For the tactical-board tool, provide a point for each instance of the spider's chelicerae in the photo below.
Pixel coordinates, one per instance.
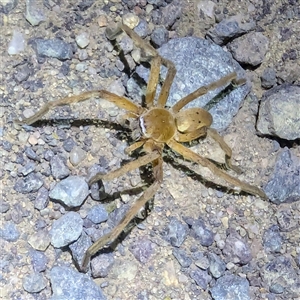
(158, 126)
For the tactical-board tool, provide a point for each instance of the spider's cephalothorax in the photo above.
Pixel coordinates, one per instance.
(155, 126)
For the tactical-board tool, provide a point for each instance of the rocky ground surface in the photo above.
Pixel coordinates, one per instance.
(200, 240)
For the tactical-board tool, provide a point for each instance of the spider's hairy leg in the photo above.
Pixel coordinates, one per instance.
(228, 152)
(141, 161)
(148, 194)
(134, 146)
(164, 93)
(192, 156)
(119, 101)
(231, 77)
(153, 80)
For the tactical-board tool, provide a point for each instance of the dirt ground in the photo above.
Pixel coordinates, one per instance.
(161, 277)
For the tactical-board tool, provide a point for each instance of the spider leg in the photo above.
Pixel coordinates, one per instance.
(192, 156)
(141, 161)
(134, 146)
(119, 101)
(148, 194)
(228, 152)
(231, 77)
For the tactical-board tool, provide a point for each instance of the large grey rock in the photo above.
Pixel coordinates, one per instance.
(200, 62)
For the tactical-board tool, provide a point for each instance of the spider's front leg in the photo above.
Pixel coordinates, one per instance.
(119, 101)
(147, 195)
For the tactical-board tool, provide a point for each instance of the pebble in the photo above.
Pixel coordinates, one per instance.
(69, 144)
(58, 167)
(272, 240)
(250, 49)
(4, 206)
(30, 153)
(79, 247)
(34, 282)
(182, 257)
(97, 214)
(29, 184)
(236, 249)
(34, 14)
(83, 287)
(102, 264)
(40, 240)
(66, 229)
(54, 48)
(131, 20)
(22, 73)
(217, 266)
(176, 232)
(17, 43)
(200, 232)
(42, 199)
(231, 287)
(27, 169)
(229, 29)
(142, 250)
(77, 155)
(159, 36)
(9, 232)
(280, 276)
(201, 260)
(170, 13)
(82, 40)
(142, 29)
(8, 5)
(38, 260)
(280, 118)
(126, 44)
(71, 191)
(286, 219)
(283, 185)
(268, 78)
(202, 278)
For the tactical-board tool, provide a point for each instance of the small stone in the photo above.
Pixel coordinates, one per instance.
(272, 240)
(40, 240)
(9, 232)
(102, 264)
(22, 73)
(29, 152)
(8, 5)
(159, 36)
(77, 155)
(54, 48)
(29, 184)
(66, 229)
(200, 232)
(68, 144)
(17, 43)
(72, 191)
(34, 14)
(142, 250)
(202, 278)
(79, 247)
(176, 232)
(58, 167)
(142, 29)
(62, 278)
(131, 20)
(102, 21)
(82, 40)
(217, 266)
(268, 78)
(184, 260)
(34, 282)
(38, 260)
(4, 206)
(236, 249)
(42, 199)
(97, 214)
(231, 287)
(250, 48)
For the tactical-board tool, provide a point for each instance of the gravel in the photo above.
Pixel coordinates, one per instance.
(9, 232)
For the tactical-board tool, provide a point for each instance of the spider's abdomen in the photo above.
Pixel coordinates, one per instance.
(158, 124)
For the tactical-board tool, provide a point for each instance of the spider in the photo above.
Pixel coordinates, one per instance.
(158, 126)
